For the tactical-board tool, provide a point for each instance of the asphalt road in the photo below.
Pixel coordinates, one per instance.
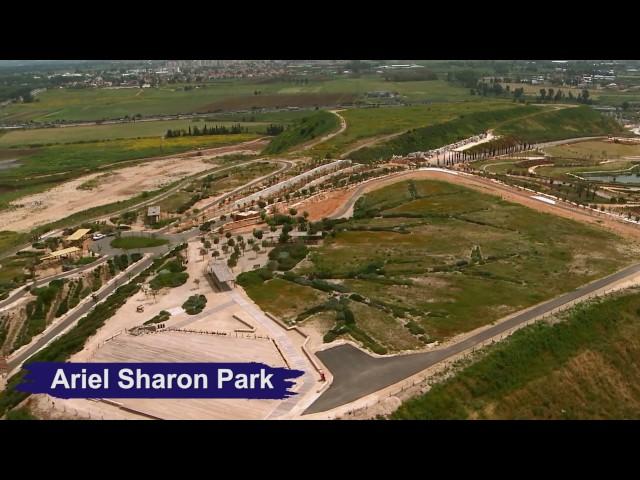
(55, 330)
(43, 281)
(357, 374)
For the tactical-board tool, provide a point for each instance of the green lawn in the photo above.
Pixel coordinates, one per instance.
(585, 367)
(131, 243)
(283, 298)
(451, 259)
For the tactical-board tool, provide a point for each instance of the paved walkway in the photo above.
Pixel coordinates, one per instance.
(294, 355)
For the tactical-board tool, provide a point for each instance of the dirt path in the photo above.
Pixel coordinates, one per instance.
(329, 136)
(370, 141)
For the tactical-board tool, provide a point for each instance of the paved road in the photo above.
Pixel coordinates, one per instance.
(19, 293)
(357, 374)
(49, 334)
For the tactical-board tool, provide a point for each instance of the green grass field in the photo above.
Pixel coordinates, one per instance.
(131, 243)
(98, 104)
(584, 367)
(91, 133)
(451, 259)
(284, 299)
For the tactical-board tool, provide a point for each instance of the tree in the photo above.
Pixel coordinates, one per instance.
(543, 93)
(558, 96)
(215, 254)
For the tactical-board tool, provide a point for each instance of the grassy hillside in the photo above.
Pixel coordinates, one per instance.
(310, 127)
(365, 124)
(585, 367)
(580, 121)
(527, 123)
(434, 136)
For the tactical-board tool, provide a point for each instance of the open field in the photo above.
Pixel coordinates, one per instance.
(47, 167)
(446, 259)
(584, 367)
(223, 95)
(92, 133)
(86, 157)
(126, 184)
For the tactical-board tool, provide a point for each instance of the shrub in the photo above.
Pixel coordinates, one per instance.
(169, 279)
(195, 304)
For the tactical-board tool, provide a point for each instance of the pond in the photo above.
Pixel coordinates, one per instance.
(619, 178)
(7, 164)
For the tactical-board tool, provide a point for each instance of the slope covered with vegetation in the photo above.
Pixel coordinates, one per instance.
(435, 136)
(561, 124)
(315, 125)
(585, 367)
(527, 124)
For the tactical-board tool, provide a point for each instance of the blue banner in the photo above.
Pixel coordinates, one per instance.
(159, 380)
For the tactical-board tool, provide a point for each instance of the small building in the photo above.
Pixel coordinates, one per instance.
(221, 274)
(69, 252)
(78, 237)
(153, 213)
(246, 215)
(306, 237)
